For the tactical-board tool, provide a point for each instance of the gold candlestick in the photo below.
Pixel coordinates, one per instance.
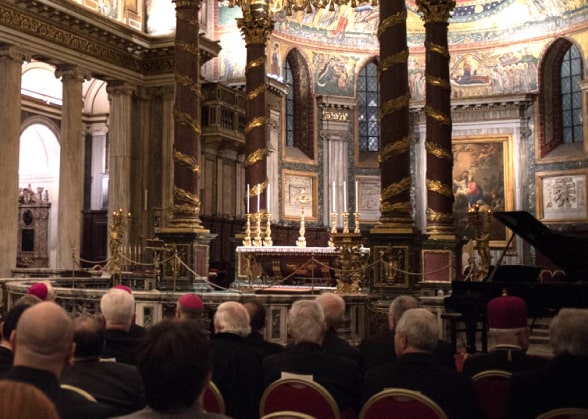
(333, 229)
(257, 239)
(303, 199)
(267, 240)
(345, 222)
(247, 239)
(356, 216)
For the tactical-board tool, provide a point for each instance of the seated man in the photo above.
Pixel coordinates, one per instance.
(334, 308)
(339, 375)
(562, 382)
(42, 290)
(8, 326)
(190, 307)
(43, 345)
(509, 339)
(257, 314)
(379, 349)
(113, 383)
(118, 308)
(417, 369)
(174, 362)
(236, 366)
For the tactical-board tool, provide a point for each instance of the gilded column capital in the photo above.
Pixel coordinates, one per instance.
(255, 27)
(184, 4)
(436, 11)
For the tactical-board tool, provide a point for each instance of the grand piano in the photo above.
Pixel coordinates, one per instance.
(544, 298)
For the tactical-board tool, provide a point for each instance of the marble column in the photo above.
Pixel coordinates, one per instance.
(395, 208)
(187, 120)
(10, 117)
(256, 26)
(98, 131)
(71, 167)
(438, 113)
(120, 95)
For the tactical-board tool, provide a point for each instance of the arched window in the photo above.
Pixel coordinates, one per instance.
(560, 100)
(299, 112)
(368, 99)
(571, 96)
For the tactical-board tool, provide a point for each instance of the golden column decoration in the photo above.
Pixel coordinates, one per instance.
(438, 114)
(394, 158)
(187, 125)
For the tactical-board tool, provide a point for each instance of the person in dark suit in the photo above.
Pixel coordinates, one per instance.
(562, 382)
(136, 331)
(43, 345)
(118, 309)
(339, 375)
(257, 315)
(334, 308)
(175, 364)
(8, 326)
(113, 383)
(236, 366)
(509, 337)
(379, 349)
(417, 369)
(190, 306)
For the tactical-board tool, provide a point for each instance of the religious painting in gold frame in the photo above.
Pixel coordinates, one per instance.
(483, 175)
(297, 185)
(561, 196)
(391, 267)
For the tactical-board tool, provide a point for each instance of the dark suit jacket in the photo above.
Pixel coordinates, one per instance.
(69, 405)
(194, 412)
(497, 359)
(112, 383)
(236, 370)
(562, 383)
(120, 345)
(339, 375)
(339, 346)
(256, 341)
(451, 390)
(6, 358)
(379, 350)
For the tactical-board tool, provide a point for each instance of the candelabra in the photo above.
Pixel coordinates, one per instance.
(333, 228)
(356, 216)
(345, 222)
(247, 239)
(303, 199)
(480, 219)
(267, 240)
(257, 238)
(117, 228)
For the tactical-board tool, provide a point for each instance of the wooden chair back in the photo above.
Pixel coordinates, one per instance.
(298, 395)
(399, 403)
(565, 413)
(213, 401)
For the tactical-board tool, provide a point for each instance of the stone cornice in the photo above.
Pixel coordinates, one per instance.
(59, 31)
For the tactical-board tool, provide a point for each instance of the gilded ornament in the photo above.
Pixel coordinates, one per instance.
(259, 61)
(186, 119)
(394, 59)
(188, 83)
(387, 207)
(390, 21)
(437, 81)
(255, 92)
(255, 123)
(256, 156)
(189, 48)
(439, 187)
(394, 105)
(436, 11)
(396, 189)
(395, 148)
(437, 116)
(182, 196)
(437, 48)
(438, 217)
(437, 151)
(186, 160)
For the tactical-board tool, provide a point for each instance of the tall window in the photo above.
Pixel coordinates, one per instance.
(571, 96)
(300, 121)
(368, 97)
(289, 80)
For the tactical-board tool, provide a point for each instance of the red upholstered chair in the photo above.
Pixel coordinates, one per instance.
(565, 413)
(492, 392)
(213, 401)
(287, 415)
(399, 403)
(298, 395)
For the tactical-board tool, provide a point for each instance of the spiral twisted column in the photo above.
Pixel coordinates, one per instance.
(256, 26)
(438, 116)
(187, 121)
(394, 158)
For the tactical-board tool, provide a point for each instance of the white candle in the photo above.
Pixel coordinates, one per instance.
(334, 199)
(248, 194)
(356, 196)
(344, 196)
(258, 195)
(268, 198)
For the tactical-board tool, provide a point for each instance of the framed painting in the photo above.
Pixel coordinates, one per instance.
(299, 190)
(482, 175)
(561, 196)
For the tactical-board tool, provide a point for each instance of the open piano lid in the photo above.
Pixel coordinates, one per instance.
(568, 251)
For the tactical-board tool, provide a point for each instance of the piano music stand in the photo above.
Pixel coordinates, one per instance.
(459, 322)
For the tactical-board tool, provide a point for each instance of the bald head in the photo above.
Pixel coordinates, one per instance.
(334, 308)
(44, 338)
